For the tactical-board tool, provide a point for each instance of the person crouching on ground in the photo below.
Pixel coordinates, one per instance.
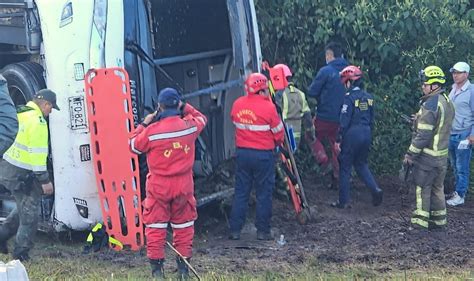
(259, 130)
(167, 137)
(355, 137)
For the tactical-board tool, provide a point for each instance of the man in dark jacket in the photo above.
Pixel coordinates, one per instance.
(329, 93)
(8, 119)
(355, 137)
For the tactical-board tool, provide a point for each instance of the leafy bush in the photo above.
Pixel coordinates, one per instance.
(391, 41)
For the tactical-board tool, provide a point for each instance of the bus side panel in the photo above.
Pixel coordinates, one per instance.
(67, 56)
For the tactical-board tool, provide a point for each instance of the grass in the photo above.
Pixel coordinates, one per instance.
(131, 266)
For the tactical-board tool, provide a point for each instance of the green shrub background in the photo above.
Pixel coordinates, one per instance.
(391, 41)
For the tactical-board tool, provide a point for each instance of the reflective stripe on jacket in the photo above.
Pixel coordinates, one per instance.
(169, 142)
(30, 148)
(257, 123)
(432, 129)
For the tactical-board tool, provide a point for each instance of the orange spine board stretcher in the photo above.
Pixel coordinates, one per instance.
(278, 82)
(111, 122)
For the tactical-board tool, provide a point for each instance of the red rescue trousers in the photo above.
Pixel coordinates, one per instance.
(169, 200)
(328, 131)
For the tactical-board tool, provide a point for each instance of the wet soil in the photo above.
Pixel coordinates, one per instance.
(380, 238)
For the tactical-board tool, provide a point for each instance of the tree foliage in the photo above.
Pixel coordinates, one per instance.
(390, 39)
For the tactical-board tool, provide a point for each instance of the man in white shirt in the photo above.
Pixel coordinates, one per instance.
(462, 131)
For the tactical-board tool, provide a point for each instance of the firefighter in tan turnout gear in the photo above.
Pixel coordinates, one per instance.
(428, 151)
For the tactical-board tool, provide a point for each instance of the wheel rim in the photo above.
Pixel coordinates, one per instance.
(17, 95)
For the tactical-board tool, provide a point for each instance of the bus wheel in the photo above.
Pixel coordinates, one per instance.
(24, 80)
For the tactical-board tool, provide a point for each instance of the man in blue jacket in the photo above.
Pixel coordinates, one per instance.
(329, 93)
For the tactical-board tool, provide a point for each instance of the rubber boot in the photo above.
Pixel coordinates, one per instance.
(183, 270)
(339, 205)
(21, 255)
(157, 269)
(3, 247)
(377, 197)
(5, 235)
(334, 183)
(264, 236)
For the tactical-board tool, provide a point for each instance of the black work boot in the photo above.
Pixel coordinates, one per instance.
(157, 269)
(21, 255)
(183, 270)
(377, 197)
(5, 235)
(339, 205)
(3, 247)
(334, 183)
(234, 235)
(264, 235)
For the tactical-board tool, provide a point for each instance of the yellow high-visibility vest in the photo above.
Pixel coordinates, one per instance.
(30, 149)
(293, 108)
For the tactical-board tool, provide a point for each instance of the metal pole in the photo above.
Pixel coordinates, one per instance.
(184, 259)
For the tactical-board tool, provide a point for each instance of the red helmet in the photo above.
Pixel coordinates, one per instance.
(350, 72)
(255, 83)
(286, 69)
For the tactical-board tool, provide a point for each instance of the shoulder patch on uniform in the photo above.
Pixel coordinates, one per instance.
(363, 105)
(344, 108)
(431, 103)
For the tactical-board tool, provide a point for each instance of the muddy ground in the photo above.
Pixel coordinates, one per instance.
(380, 239)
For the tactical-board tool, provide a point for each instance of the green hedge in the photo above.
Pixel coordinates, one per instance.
(390, 40)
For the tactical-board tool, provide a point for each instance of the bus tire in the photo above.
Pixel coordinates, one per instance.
(24, 80)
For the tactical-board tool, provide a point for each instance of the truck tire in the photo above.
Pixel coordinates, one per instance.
(24, 80)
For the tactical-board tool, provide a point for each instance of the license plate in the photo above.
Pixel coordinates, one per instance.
(77, 113)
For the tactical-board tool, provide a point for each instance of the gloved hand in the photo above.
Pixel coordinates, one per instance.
(408, 159)
(337, 147)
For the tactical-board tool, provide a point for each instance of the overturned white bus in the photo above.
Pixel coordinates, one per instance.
(203, 48)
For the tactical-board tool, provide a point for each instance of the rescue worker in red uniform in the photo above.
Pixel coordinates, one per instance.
(167, 137)
(259, 130)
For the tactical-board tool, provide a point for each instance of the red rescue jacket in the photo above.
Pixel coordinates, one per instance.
(169, 142)
(257, 123)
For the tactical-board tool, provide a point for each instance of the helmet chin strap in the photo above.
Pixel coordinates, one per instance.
(431, 88)
(350, 86)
